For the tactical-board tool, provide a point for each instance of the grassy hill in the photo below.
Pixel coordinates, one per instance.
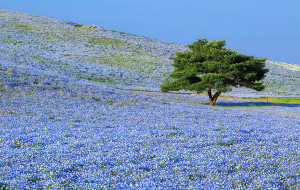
(55, 47)
(80, 108)
(97, 54)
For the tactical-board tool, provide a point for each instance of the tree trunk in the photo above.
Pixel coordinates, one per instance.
(212, 99)
(210, 96)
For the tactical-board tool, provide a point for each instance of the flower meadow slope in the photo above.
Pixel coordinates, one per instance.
(71, 118)
(55, 48)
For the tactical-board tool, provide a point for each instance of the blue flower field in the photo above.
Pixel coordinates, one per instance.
(82, 109)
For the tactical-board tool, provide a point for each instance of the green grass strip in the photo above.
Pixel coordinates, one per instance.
(286, 100)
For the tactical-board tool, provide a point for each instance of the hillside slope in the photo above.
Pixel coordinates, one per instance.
(54, 47)
(69, 118)
(34, 46)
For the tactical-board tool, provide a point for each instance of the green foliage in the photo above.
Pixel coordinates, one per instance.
(19, 41)
(17, 144)
(4, 186)
(96, 78)
(208, 65)
(137, 62)
(25, 28)
(9, 112)
(44, 60)
(34, 179)
(105, 41)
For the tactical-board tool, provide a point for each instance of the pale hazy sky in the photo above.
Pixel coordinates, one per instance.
(264, 28)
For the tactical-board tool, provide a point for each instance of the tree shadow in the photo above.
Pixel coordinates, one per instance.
(254, 104)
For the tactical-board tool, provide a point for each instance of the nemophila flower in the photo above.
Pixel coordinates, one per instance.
(71, 123)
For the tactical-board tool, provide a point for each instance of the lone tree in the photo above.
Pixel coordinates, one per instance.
(211, 66)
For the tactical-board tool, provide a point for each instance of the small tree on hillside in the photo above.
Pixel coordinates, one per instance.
(211, 66)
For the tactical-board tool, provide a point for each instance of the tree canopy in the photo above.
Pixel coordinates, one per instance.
(208, 65)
